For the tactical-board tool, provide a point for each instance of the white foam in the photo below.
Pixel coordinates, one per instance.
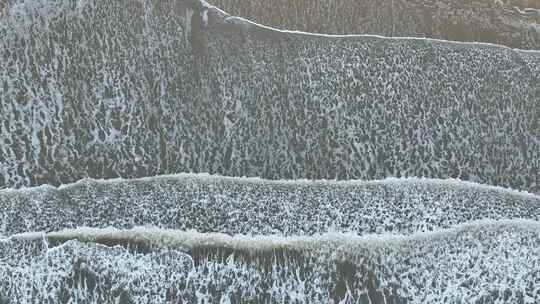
(188, 240)
(453, 183)
(466, 261)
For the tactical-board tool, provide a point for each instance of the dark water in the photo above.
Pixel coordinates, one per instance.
(512, 23)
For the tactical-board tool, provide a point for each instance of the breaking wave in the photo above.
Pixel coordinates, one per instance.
(478, 262)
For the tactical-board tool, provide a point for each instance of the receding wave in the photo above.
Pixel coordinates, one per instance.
(482, 262)
(512, 23)
(254, 206)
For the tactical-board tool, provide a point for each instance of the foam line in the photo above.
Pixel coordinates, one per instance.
(191, 240)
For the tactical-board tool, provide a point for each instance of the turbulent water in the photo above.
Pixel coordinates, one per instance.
(130, 89)
(252, 206)
(260, 241)
(432, 148)
(481, 262)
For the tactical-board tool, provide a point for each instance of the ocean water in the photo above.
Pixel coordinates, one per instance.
(168, 152)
